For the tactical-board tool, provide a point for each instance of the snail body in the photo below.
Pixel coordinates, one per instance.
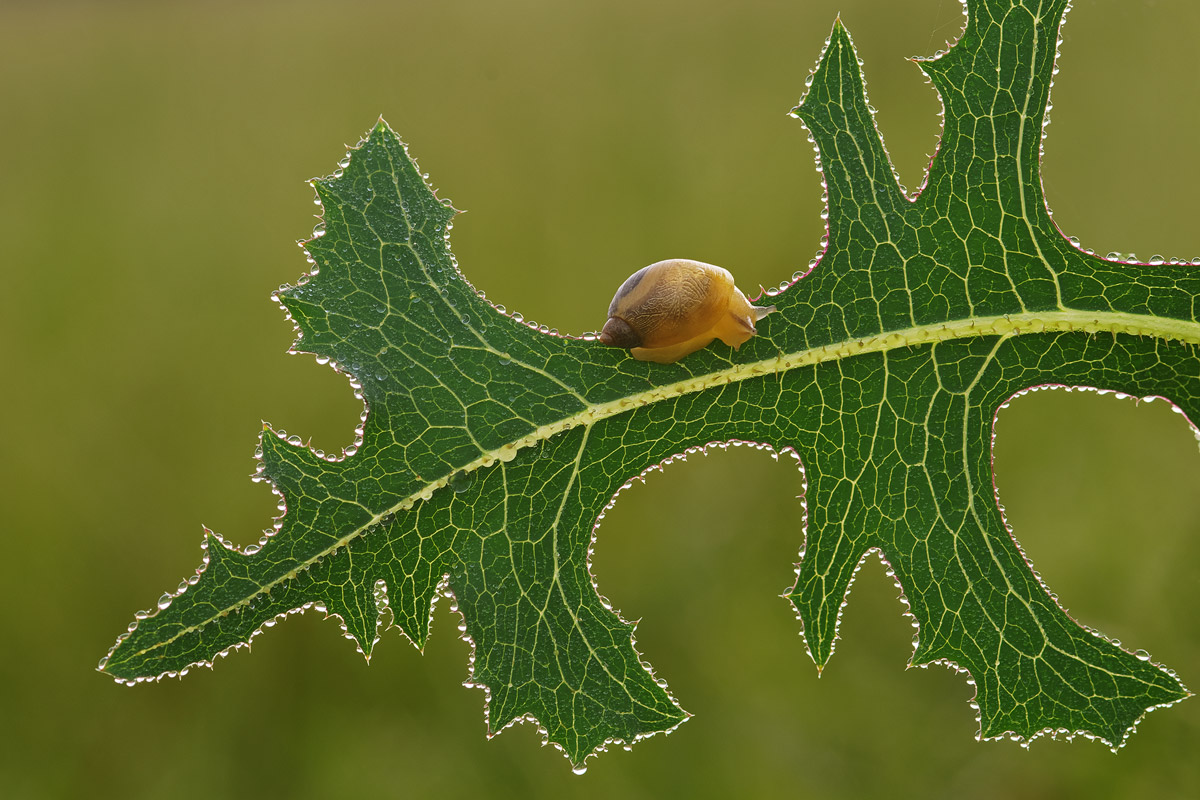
(670, 309)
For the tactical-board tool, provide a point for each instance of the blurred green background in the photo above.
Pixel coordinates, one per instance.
(153, 156)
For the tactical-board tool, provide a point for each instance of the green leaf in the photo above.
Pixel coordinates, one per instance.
(489, 449)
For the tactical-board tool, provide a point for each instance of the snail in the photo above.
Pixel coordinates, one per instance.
(667, 310)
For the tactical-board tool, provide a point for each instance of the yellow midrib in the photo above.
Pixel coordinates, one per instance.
(1004, 325)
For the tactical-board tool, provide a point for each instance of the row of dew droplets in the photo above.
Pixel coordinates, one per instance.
(1140, 654)
(517, 316)
(167, 598)
(1114, 256)
(1131, 258)
(444, 590)
(164, 602)
(641, 477)
(824, 243)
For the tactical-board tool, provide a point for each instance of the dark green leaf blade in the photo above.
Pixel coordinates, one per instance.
(976, 245)
(491, 449)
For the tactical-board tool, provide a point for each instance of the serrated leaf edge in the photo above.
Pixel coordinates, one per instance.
(1054, 733)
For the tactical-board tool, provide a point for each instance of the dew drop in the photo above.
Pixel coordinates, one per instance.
(1142, 655)
(461, 481)
(164, 601)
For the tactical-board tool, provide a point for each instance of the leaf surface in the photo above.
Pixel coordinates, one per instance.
(489, 449)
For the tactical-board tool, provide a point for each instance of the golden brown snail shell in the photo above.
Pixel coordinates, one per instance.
(672, 308)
